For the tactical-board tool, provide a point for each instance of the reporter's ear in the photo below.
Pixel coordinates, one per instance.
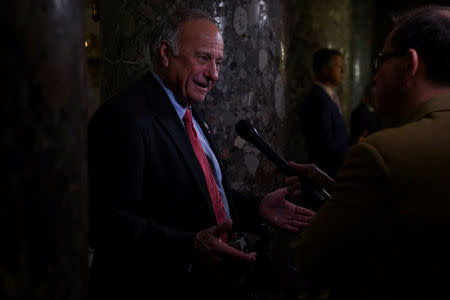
(413, 63)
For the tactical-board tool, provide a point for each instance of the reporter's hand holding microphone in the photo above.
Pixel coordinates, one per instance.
(306, 179)
(308, 171)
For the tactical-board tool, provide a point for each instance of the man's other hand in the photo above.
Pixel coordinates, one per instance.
(211, 249)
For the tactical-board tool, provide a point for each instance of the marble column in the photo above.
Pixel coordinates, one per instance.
(362, 48)
(309, 26)
(43, 207)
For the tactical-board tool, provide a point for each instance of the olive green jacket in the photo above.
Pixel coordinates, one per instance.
(384, 235)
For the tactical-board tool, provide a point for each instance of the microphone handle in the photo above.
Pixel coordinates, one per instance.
(313, 193)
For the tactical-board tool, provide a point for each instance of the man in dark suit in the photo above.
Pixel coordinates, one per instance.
(160, 209)
(364, 120)
(322, 122)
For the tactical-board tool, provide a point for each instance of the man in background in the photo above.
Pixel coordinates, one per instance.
(322, 122)
(364, 120)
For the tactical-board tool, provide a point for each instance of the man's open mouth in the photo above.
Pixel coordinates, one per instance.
(202, 85)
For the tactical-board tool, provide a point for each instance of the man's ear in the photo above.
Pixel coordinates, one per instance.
(323, 75)
(165, 52)
(413, 63)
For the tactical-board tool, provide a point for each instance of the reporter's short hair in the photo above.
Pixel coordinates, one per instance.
(427, 30)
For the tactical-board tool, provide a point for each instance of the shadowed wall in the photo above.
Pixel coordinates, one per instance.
(42, 171)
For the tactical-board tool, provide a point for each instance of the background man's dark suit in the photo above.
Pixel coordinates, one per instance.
(363, 119)
(147, 205)
(324, 130)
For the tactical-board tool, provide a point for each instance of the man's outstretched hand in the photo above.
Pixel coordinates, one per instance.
(276, 210)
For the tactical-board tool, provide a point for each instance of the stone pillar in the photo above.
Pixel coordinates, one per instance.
(311, 25)
(362, 48)
(43, 212)
(252, 78)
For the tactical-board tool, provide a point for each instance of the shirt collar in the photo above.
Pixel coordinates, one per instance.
(181, 110)
(327, 89)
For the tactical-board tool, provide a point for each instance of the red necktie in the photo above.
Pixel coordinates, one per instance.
(213, 190)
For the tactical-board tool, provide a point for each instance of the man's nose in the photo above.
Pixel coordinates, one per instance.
(213, 71)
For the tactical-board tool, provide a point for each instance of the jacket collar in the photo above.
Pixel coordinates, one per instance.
(438, 103)
(165, 114)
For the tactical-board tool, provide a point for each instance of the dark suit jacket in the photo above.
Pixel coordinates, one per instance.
(148, 197)
(324, 131)
(363, 119)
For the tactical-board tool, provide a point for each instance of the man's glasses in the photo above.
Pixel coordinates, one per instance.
(383, 56)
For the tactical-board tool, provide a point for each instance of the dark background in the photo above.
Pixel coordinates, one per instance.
(60, 59)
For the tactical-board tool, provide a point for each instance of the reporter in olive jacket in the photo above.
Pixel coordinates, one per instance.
(385, 233)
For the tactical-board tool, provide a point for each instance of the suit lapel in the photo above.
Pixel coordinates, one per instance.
(167, 117)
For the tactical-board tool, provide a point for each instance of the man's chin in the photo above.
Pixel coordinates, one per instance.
(196, 100)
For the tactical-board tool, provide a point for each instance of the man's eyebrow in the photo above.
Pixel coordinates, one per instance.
(208, 54)
(203, 52)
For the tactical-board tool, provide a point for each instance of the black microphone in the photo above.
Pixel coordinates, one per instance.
(313, 192)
